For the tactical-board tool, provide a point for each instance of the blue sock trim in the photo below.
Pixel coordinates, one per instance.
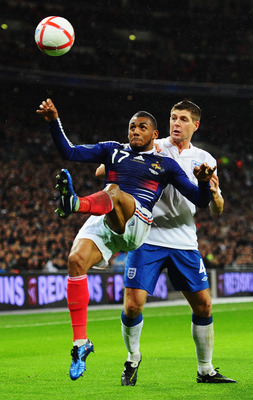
(202, 320)
(131, 321)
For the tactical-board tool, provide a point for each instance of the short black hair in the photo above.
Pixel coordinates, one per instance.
(188, 105)
(146, 114)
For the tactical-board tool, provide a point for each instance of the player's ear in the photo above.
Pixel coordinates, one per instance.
(196, 125)
(155, 134)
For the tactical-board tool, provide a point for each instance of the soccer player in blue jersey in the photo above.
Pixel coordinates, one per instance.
(121, 214)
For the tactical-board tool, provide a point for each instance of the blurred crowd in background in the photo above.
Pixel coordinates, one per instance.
(185, 41)
(33, 237)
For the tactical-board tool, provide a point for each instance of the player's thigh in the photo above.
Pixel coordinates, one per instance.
(83, 255)
(187, 271)
(124, 208)
(143, 267)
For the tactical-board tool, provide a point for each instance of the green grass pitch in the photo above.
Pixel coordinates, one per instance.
(35, 356)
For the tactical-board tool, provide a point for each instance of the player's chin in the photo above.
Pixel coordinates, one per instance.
(138, 146)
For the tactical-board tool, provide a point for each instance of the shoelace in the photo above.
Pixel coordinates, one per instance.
(74, 353)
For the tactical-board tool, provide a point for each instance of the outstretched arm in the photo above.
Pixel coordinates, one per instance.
(200, 195)
(68, 151)
(48, 111)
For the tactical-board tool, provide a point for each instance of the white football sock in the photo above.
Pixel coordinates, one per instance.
(80, 342)
(203, 336)
(131, 336)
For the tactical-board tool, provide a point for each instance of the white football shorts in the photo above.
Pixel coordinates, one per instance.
(110, 242)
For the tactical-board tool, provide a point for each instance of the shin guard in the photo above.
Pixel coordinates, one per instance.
(99, 203)
(78, 300)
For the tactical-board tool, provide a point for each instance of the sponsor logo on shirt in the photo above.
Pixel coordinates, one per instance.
(139, 159)
(153, 171)
(132, 223)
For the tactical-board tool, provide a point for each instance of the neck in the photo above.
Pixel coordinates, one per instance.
(181, 145)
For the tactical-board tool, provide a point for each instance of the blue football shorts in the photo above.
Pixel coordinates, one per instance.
(186, 268)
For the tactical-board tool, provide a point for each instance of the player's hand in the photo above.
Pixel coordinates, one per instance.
(214, 183)
(48, 110)
(204, 173)
(100, 172)
(157, 147)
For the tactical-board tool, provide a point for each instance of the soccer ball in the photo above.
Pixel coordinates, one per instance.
(54, 36)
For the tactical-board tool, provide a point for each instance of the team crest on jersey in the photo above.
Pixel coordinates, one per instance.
(132, 223)
(195, 164)
(156, 165)
(131, 273)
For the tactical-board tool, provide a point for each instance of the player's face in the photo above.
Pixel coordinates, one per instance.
(182, 125)
(141, 134)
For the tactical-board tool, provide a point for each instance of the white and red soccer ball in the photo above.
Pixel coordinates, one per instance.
(54, 36)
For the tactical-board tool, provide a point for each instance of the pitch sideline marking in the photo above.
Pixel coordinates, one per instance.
(160, 315)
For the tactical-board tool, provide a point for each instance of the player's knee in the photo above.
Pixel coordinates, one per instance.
(204, 309)
(76, 263)
(133, 308)
(114, 191)
(120, 198)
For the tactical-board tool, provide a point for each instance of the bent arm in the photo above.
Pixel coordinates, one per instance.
(199, 195)
(216, 205)
(217, 202)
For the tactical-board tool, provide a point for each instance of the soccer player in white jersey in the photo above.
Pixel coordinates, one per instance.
(172, 244)
(121, 214)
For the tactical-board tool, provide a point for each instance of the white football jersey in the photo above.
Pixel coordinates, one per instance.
(174, 224)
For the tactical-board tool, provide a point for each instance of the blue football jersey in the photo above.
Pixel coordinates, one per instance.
(144, 175)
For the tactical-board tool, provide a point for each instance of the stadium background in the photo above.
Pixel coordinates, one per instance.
(194, 49)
